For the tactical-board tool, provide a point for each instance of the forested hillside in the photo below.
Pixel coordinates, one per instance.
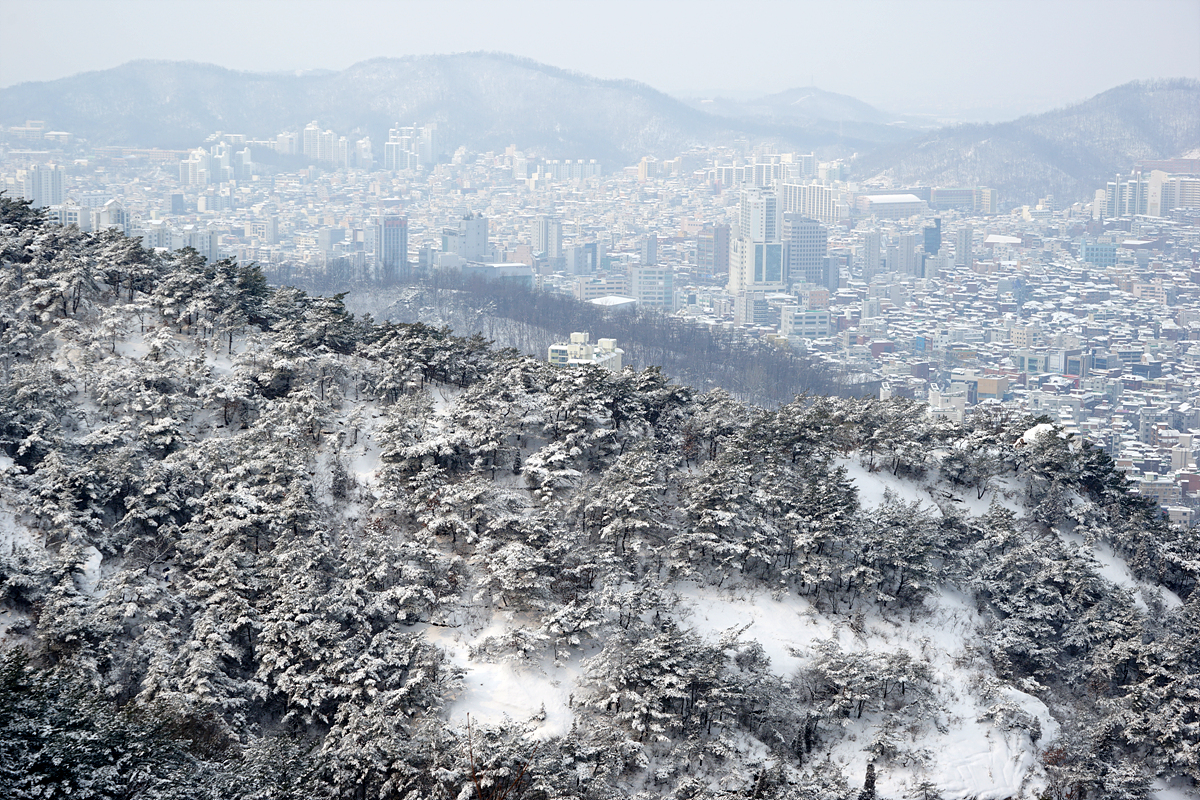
(751, 369)
(252, 546)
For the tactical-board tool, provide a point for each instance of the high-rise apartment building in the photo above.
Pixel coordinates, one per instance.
(813, 200)
(310, 140)
(44, 185)
(584, 259)
(871, 255)
(285, 144)
(964, 254)
(758, 215)
(387, 240)
(429, 147)
(547, 236)
(906, 255)
(756, 257)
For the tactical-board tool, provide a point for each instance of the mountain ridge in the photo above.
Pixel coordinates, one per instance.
(484, 100)
(1068, 152)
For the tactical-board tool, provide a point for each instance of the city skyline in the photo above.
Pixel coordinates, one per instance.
(1033, 57)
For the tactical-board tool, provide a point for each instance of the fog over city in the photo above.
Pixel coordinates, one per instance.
(618, 401)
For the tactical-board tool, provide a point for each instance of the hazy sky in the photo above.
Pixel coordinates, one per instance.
(945, 56)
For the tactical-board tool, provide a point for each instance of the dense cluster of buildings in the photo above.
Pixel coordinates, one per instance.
(1088, 312)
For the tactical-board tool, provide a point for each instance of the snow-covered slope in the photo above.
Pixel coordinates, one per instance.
(307, 556)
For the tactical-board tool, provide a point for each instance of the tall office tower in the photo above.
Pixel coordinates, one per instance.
(547, 237)
(469, 240)
(756, 257)
(933, 237)
(310, 140)
(805, 245)
(964, 253)
(44, 185)
(712, 250)
(649, 250)
(872, 264)
(387, 241)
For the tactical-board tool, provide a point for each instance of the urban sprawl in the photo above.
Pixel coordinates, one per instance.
(1087, 312)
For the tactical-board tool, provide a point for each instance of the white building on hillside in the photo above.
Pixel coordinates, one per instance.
(604, 353)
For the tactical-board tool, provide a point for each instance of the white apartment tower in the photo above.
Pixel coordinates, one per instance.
(547, 236)
(310, 140)
(906, 252)
(871, 253)
(44, 185)
(964, 255)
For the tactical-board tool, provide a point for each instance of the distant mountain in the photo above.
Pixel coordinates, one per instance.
(804, 104)
(1068, 152)
(815, 110)
(481, 100)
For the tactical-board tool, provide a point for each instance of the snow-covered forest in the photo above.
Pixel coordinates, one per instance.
(252, 546)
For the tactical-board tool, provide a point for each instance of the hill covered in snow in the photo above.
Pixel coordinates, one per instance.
(252, 546)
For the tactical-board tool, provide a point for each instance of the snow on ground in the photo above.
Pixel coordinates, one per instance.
(973, 758)
(872, 485)
(133, 343)
(444, 397)
(1161, 790)
(492, 693)
(1036, 432)
(89, 577)
(777, 624)
(1113, 569)
(1004, 491)
(13, 537)
(363, 460)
